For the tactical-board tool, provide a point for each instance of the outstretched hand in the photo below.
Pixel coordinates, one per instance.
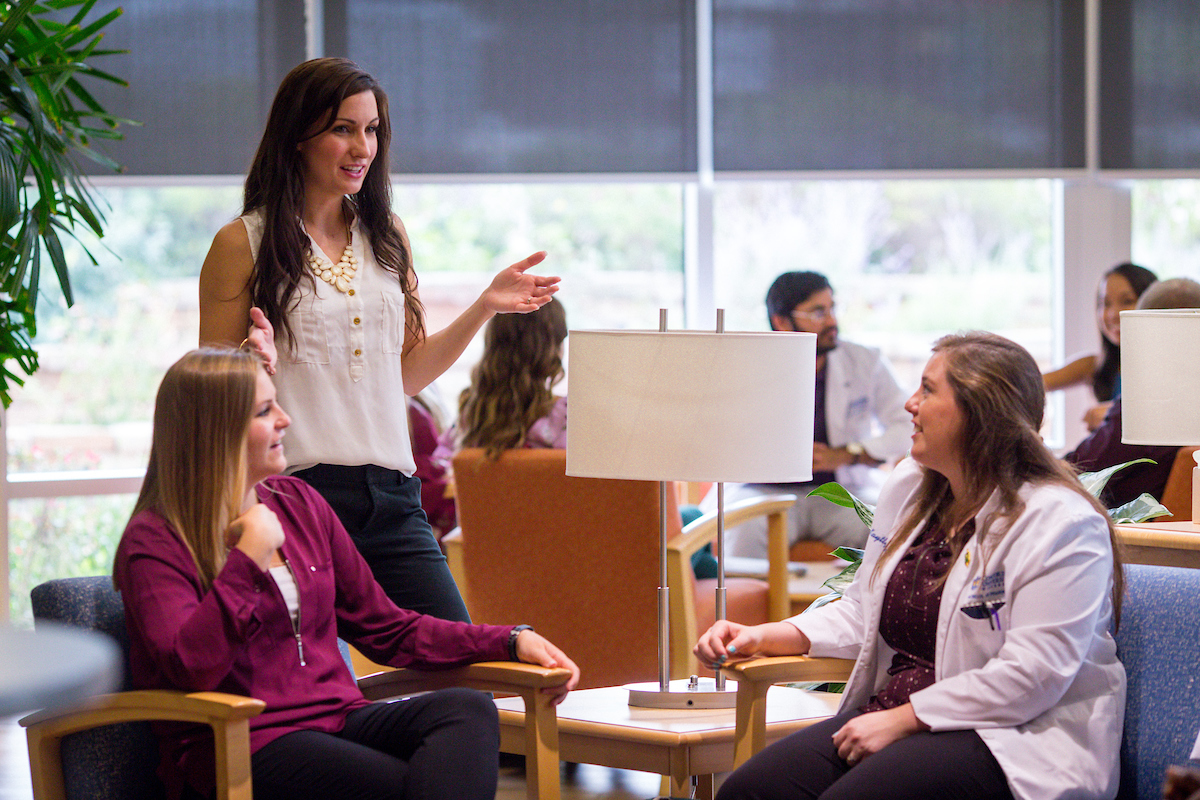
(533, 648)
(514, 290)
(261, 339)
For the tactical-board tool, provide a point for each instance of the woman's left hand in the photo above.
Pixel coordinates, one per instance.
(869, 733)
(533, 648)
(261, 339)
(515, 290)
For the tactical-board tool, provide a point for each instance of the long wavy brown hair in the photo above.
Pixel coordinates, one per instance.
(511, 386)
(999, 390)
(305, 106)
(196, 477)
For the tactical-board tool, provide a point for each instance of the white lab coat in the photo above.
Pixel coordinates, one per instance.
(863, 403)
(1036, 673)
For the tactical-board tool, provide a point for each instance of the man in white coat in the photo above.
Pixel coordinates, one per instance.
(859, 424)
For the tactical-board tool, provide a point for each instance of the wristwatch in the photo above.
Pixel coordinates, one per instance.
(857, 452)
(512, 640)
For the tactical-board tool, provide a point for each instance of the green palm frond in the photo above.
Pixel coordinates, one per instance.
(48, 119)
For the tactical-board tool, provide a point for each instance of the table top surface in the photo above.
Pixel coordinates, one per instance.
(810, 585)
(54, 665)
(609, 708)
(1183, 535)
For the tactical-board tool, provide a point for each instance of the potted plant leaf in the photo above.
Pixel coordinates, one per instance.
(48, 121)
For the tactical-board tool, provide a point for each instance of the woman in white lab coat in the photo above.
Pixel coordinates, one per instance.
(978, 620)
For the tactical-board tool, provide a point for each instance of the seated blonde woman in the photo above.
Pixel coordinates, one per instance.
(238, 579)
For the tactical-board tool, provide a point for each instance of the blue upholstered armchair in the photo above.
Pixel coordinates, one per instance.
(105, 750)
(1159, 643)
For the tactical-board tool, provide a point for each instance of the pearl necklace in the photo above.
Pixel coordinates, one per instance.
(336, 275)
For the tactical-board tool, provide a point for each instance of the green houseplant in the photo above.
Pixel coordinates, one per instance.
(48, 120)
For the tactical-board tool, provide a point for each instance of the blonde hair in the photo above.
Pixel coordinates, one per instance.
(196, 477)
(511, 386)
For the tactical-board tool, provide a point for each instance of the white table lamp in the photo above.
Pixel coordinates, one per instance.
(690, 406)
(1160, 382)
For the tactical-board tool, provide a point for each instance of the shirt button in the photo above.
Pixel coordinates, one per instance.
(358, 352)
(357, 320)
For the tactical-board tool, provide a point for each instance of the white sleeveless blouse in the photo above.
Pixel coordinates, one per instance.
(340, 380)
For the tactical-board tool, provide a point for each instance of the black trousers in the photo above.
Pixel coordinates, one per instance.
(924, 766)
(381, 510)
(438, 745)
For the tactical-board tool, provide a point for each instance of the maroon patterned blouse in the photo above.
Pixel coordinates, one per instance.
(908, 621)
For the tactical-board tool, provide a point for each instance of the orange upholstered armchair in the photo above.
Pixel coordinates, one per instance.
(578, 558)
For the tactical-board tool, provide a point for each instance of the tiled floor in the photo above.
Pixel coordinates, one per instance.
(580, 782)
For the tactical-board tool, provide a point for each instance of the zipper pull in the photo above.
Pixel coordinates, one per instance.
(300, 649)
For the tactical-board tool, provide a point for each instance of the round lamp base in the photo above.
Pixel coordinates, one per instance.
(683, 694)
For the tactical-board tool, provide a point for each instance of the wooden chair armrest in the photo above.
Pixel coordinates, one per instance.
(147, 705)
(755, 677)
(510, 677)
(703, 529)
(790, 669)
(452, 544)
(227, 714)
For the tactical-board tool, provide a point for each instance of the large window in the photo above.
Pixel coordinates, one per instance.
(582, 127)
(909, 260)
(1166, 227)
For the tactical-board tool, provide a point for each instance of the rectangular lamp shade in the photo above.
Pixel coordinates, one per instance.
(691, 406)
(1160, 377)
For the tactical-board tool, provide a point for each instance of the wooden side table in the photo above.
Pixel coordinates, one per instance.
(1169, 544)
(598, 726)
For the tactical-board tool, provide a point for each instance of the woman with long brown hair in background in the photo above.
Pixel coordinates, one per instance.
(511, 402)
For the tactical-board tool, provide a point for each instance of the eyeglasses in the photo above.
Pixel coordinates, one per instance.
(818, 315)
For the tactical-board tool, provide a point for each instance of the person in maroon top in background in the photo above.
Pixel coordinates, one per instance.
(433, 467)
(238, 579)
(1103, 447)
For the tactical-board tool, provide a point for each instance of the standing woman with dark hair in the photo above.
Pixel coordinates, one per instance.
(510, 402)
(979, 619)
(1118, 291)
(319, 257)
